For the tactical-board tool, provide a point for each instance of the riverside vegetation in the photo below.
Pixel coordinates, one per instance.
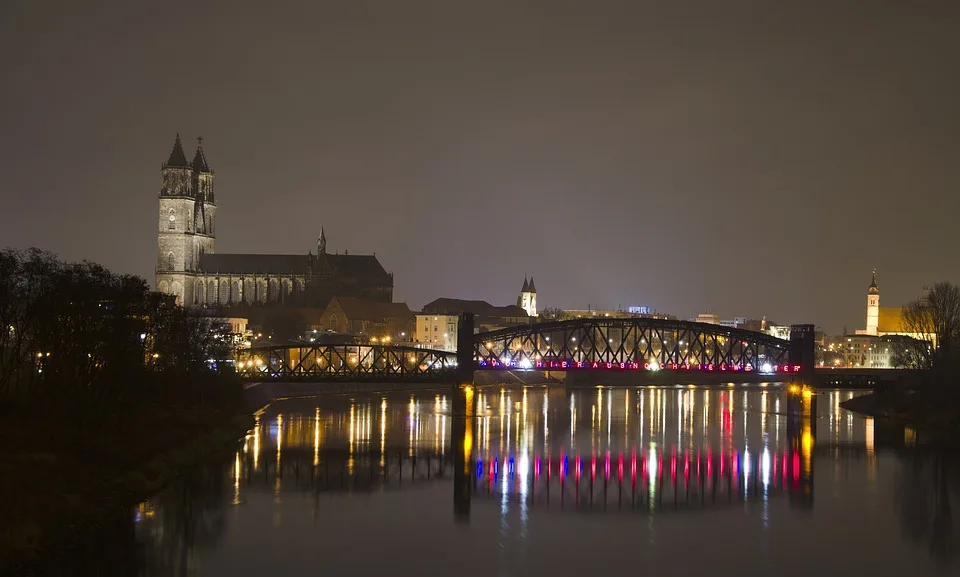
(107, 392)
(932, 404)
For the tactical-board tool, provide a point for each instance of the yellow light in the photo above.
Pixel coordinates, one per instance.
(794, 389)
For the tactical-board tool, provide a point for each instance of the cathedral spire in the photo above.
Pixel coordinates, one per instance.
(199, 159)
(532, 287)
(177, 158)
(322, 242)
(526, 285)
(874, 289)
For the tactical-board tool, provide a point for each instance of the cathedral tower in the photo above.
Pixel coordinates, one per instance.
(205, 207)
(186, 224)
(873, 306)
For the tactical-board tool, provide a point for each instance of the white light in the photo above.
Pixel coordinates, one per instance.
(767, 368)
(654, 366)
(525, 364)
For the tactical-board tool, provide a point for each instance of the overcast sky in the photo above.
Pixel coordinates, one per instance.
(744, 158)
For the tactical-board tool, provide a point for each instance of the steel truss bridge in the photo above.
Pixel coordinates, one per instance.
(346, 362)
(633, 344)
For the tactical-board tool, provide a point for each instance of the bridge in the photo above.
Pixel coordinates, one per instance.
(624, 345)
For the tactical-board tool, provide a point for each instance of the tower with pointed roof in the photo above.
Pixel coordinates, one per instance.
(187, 220)
(528, 297)
(873, 306)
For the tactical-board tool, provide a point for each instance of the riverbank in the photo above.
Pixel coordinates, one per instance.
(937, 421)
(57, 485)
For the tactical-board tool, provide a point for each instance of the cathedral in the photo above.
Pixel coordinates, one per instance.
(189, 267)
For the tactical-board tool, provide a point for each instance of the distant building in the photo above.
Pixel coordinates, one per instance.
(611, 313)
(708, 318)
(528, 297)
(487, 317)
(371, 319)
(888, 321)
(189, 267)
(437, 331)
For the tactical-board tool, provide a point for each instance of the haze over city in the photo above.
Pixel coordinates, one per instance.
(744, 158)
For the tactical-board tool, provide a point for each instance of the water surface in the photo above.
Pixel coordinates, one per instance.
(666, 481)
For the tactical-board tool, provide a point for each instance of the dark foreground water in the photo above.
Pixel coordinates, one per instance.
(668, 481)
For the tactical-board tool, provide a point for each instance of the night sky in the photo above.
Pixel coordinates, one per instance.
(743, 158)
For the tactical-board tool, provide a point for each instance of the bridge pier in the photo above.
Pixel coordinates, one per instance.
(464, 410)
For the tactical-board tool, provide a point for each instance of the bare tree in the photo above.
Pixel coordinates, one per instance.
(936, 318)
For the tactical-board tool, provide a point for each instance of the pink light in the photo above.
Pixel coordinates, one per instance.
(620, 468)
(606, 468)
(536, 468)
(633, 467)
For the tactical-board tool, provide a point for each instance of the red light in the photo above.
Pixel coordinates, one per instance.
(593, 466)
(796, 466)
(620, 467)
(577, 465)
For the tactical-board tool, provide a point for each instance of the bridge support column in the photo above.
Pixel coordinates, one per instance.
(803, 352)
(463, 419)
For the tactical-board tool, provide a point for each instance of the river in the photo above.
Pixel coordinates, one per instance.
(656, 481)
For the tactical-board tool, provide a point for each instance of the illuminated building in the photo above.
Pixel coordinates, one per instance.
(888, 321)
(528, 297)
(437, 331)
(189, 267)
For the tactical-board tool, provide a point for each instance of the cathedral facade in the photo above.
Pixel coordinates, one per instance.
(189, 267)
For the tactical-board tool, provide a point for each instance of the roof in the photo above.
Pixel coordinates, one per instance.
(200, 159)
(366, 310)
(479, 308)
(890, 320)
(356, 265)
(532, 287)
(526, 285)
(177, 158)
(255, 263)
(873, 289)
(351, 266)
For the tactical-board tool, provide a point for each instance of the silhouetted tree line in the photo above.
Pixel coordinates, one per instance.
(76, 332)
(936, 317)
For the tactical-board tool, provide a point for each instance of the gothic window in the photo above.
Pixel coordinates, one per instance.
(334, 323)
(170, 261)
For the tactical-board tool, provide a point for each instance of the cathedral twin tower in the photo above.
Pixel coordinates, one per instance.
(187, 227)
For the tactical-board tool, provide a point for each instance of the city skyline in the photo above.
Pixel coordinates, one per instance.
(747, 161)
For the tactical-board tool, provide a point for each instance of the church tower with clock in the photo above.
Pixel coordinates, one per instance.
(187, 224)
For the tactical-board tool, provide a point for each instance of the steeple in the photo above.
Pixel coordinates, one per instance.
(874, 289)
(322, 242)
(177, 158)
(532, 287)
(526, 286)
(199, 159)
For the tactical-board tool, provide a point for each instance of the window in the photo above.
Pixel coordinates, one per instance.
(170, 261)
(172, 220)
(434, 328)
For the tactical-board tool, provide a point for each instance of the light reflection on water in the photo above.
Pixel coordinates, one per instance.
(682, 480)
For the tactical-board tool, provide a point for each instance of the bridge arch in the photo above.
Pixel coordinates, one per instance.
(630, 343)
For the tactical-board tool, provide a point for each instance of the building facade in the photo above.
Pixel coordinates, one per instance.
(888, 321)
(189, 268)
(437, 331)
(382, 321)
